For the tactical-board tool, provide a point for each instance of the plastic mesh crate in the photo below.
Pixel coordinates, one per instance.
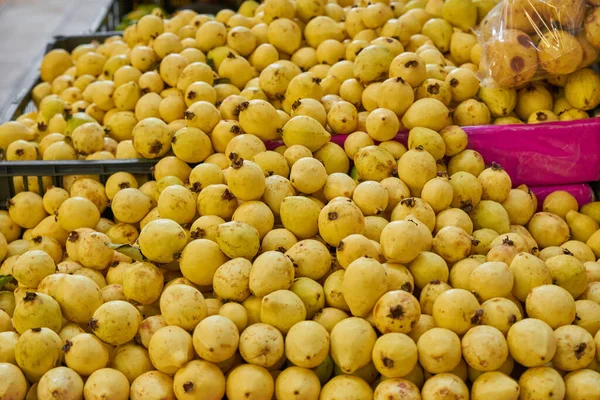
(23, 103)
(113, 15)
(56, 170)
(12, 171)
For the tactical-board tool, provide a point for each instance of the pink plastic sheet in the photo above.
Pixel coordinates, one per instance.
(544, 154)
(554, 153)
(581, 191)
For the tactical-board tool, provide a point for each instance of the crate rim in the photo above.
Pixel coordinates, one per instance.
(75, 167)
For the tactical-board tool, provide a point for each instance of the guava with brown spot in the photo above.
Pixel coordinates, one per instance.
(512, 58)
(396, 311)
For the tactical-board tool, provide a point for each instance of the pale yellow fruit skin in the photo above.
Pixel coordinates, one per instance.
(352, 342)
(116, 322)
(297, 380)
(416, 167)
(560, 311)
(489, 214)
(307, 344)
(201, 273)
(568, 338)
(582, 384)
(531, 342)
(246, 181)
(162, 240)
(170, 349)
(333, 291)
(86, 353)
(328, 317)
(591, 210)
(491, 271)
(386, 309)
(580, 250)
(231, 280)
(457, 310)
(148, 327)
(152, 385)
(365, 281)
(177, 203)
(541, 382)
(429, 293)
(577, 91)
(105, 383)
(569, 273)
(445, 383)
(270, 271)
(26, 209)
(93, 251)
(484, 348)
(582, 226)
(40, 311)
(374, 163)
(400, 241)
(152, 138)
(456, 217)
(206, 378)
(354, 247)
(306, 131)
(594, 243)
(346, 387)
(261, 345)
(14, 385)
(32, 267)
(142, 283)
(252, 379)
(495, 384)
(311, 293)
(501, 313)
(132, 360)
(311, 258)
(238, 239)
(216, 338)
(452, 243)
(8, 340)
(427, 113)
(397, 348)
(282, 309)
(548, 229)
(6, 324)
(79, 297)
(559, 203)
(60, 381)
(54, 64)
(37, 352)
(299, 215)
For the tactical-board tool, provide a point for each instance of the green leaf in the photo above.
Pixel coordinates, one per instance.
(4, 279)
(130, 251)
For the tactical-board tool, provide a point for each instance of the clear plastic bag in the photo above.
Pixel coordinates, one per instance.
(525, 40)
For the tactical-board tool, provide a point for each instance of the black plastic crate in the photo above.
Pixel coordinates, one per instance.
(113, 15)
(116, 12)
(58, 169)
(23, 103)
